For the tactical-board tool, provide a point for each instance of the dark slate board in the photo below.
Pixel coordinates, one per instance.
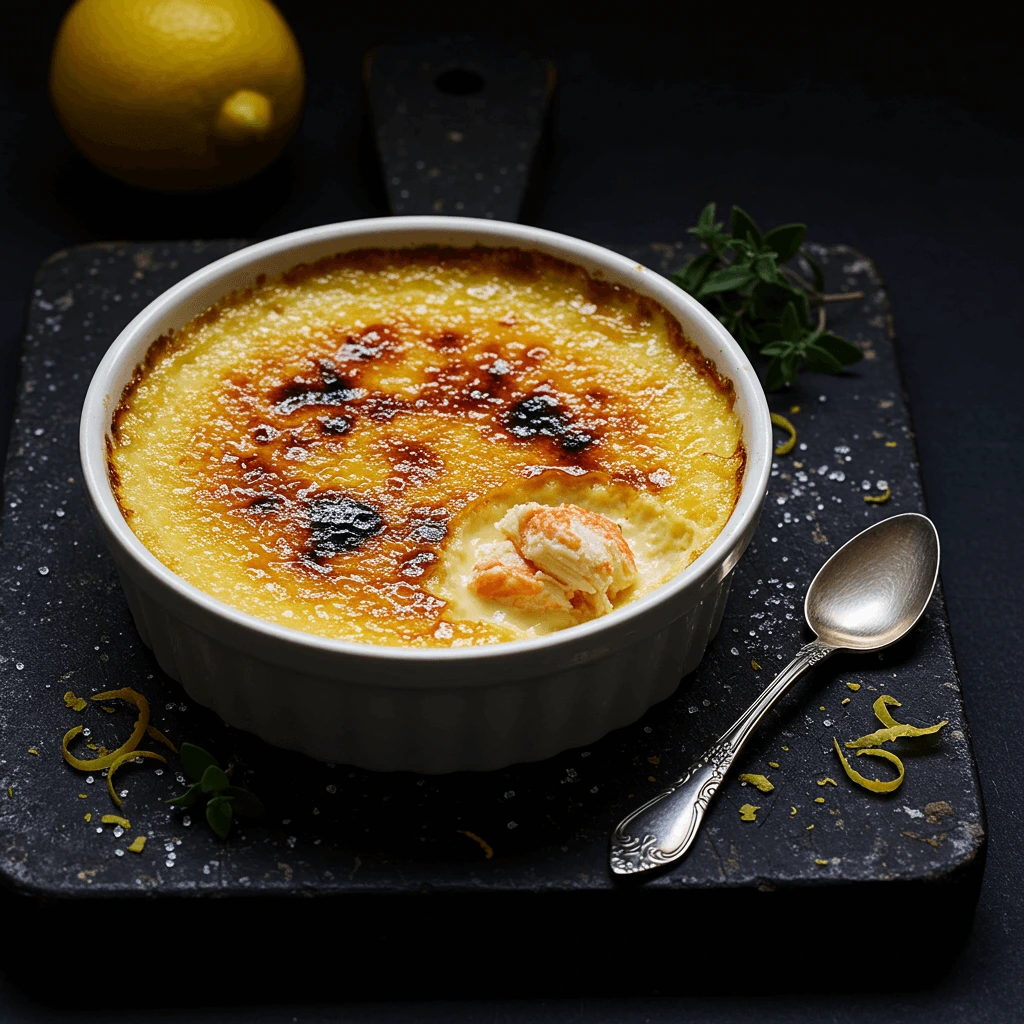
(335, 830)
(458, 124)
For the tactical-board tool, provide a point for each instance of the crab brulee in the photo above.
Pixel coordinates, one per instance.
(428, 447)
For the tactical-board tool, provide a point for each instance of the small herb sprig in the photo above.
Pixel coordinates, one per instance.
(224, 799)
(743, 278)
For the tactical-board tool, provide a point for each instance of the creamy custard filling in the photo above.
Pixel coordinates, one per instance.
(387, 446)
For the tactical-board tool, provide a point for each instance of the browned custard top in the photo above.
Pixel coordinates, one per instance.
(324, 450)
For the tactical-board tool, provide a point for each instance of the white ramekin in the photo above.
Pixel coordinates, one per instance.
(423, 710)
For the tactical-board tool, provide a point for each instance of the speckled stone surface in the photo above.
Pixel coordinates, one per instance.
(331, 829)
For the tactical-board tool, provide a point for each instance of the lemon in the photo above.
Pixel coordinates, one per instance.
(177, 94)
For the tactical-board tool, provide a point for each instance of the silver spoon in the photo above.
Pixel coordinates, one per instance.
(865, 597)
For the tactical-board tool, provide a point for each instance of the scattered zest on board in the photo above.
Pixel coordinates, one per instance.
(787, 446)
(870, 744)
(113, 759)
(758, 781)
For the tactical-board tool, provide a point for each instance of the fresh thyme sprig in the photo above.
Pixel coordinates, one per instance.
(224, 800)
(743, 279)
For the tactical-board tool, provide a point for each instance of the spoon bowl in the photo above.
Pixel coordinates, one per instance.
(876, 586)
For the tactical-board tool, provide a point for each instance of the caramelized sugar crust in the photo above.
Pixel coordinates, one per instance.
(302, 449)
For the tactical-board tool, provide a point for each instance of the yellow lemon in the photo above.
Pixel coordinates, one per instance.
(177, 94)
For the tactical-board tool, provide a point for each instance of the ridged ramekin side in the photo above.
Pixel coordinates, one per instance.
(441, 729)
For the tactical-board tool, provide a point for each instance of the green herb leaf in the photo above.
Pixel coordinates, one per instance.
(213, 780)
(786, 240)
(730, 278)
(219, 815)
(821, 360)
(746, 334)
(773, 379)
(709, 232)
(790, 323)
(790, 366)
(765, 268)
(706, 221)
(760, 301)
(817, 273)
(195, 760)
(843, 350)
(247, 804)
(743, 248)
(692, 276)
(769, 300)
(187, 799)
(803, 306)
(743, 226)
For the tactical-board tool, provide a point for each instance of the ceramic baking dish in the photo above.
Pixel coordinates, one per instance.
(410, 709)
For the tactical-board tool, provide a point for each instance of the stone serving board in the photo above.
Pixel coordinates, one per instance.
(332, 829)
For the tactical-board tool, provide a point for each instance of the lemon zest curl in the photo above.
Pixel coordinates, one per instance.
(107, 760)
(787, 446)
(874, 785)
(482, 843)
(120, 761)
(893, 730)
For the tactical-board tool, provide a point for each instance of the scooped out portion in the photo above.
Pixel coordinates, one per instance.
(576, 548)
(555, 558)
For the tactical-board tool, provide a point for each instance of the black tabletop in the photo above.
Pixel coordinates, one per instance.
(906, 147)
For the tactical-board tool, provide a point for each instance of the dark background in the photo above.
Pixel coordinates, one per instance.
(903, 142)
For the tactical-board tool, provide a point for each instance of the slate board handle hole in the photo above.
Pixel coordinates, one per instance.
(459, 82)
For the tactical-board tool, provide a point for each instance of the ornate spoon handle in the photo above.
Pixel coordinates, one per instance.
(663, 829)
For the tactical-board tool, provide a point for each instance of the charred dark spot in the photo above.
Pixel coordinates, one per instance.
(301, 392)
(537, 414)
(265, 433)
(540, 415)
(339, 524)
(336, 425)
(417, 564)
(263, 504)
(576, 440)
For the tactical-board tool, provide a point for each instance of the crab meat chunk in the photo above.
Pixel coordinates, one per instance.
(555, 558)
